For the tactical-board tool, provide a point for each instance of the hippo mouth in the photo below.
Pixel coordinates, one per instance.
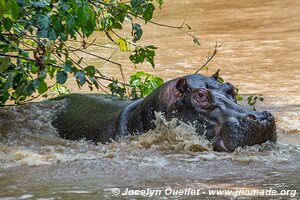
(249, 130)
(218, 142)
(220, 146)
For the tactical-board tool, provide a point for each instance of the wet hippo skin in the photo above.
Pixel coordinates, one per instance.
(200, 100)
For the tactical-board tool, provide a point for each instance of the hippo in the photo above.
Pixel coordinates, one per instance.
(205, 102)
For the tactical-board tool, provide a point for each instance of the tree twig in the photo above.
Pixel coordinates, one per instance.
(149, 21)
(97, 56)
(17, 56)
(116, 34)
(110, 79)
(24, 58)
(92, 44)
(210, 57)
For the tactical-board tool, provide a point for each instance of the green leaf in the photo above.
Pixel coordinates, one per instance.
(42, 87)
(138, 57)
(9, 81)
(117, 25)
(148, 12)
(160, 2)
(70, 23)
(140, 54)
(68, 66)
(94, 81)
(90, 71)
(249, 98)
(43, 22)
(41, 3)
(2, 7)
(146, 91)
(41, 33)
(136, 32)
(220, 79)
(80, 75)
(116, 89)
(61, 77)
(159, 81)
(239, 98)
(151, 47)
(137, 6)
(82, 15)
(135, 82)
(13, 9)
(89, 28)
(64, 6)
(149, 54)
(140, 74)
(51, 70)
(29, 88)
(8, 23)
(52, 35)
(143, 88)
(60, 89)
(4, 63)
(42, 74)
(4, 97)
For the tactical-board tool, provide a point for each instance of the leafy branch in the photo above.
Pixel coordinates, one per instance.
(38, 43)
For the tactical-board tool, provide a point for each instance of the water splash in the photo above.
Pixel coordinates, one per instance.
(30, 139)
(174, 135)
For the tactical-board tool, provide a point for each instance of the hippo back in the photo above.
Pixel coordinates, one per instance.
(89, 116)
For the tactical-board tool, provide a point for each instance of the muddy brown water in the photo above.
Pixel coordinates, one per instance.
(260, 53)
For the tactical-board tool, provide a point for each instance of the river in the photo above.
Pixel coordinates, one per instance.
(260, 53)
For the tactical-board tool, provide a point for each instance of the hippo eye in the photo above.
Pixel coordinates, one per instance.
(201, 100)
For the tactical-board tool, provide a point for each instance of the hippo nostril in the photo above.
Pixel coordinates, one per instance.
(252, 117)
(267, 114)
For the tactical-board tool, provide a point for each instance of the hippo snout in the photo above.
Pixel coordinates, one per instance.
(270, 126)
(268, 117)
(252, 128)
(260, 116)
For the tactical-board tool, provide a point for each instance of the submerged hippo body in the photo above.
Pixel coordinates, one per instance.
(197, 99)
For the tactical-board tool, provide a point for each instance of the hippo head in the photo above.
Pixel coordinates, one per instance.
(211, 106)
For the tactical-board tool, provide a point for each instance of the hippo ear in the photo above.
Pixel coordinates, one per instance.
(181, 85)
(216, 74)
